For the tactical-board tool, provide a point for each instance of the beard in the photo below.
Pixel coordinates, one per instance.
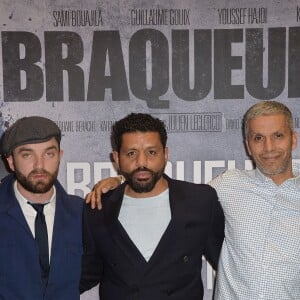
(274, 170)
(37, 186)
(143, 186)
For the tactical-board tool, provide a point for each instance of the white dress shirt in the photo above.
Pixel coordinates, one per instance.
(30, 213)
(260, 257)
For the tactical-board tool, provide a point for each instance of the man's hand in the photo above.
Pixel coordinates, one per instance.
(102, 187)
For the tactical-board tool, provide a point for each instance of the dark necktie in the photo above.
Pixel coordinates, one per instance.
(41, 237)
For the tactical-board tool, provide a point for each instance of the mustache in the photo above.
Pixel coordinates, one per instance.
(39, 172)
(270, 153)
(142, 169)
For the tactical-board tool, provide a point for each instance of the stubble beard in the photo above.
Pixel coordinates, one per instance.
(143, 186)
(272, 171)
(38, 186)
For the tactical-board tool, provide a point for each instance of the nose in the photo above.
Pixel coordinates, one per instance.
(141, 160)
(38, 162)
(269, 144)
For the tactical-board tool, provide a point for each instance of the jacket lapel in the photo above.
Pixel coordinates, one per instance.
(58, 234)
(121, 238)
(13, 206)
(112, 208)
(15, 212)
(168, 237)
(59, 222)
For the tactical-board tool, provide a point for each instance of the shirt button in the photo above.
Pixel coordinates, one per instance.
(185, 259)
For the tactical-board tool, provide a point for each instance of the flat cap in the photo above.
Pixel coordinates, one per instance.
(28, 130)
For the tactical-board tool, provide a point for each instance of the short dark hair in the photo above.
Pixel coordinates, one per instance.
(135, 122)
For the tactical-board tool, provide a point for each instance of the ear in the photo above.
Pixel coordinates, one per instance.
(116, 158)
(10, 162)
(294, 140)
(248, 147)
(166, 154)
(61, 153)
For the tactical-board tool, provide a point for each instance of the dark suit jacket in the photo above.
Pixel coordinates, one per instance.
(20, 276)
(174, 270)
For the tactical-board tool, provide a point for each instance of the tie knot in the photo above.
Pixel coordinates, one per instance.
(39, 207)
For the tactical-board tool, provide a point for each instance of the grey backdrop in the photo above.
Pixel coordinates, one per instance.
(198, 65)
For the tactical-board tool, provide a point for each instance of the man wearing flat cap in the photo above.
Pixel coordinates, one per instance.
(40, 224)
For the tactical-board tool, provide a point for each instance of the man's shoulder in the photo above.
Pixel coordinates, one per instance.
(190, 187)
(73, 199)
(6, 186)
(233, 177)
(60, 187)
(233, 173)
(190, 184)
(7, 180)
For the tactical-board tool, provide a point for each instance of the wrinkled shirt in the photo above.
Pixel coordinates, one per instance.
(260, 257)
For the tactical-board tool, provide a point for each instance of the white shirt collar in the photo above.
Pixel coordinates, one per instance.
(28, 209)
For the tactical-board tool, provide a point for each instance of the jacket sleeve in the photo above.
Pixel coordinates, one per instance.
(92, 265)
(216, 234)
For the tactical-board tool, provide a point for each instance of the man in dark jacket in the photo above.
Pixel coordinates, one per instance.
(148, 240)
(41, 244)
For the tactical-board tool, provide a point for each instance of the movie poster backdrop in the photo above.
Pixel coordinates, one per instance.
(196, 64)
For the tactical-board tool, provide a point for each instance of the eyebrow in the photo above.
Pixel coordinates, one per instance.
(253, 133)
(24, 148)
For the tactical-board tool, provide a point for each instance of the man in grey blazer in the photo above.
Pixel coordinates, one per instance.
(148, 240)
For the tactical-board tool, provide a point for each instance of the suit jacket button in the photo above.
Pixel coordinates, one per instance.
(135, 291)
(185, 259)
(169, 292)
